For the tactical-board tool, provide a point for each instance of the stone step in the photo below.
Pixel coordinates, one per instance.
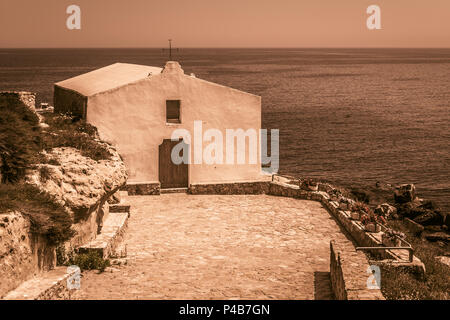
(110, 237)
(174, 190)
(51, 285)
(121, 207)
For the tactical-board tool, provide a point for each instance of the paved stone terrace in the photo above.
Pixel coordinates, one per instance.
(221, 247)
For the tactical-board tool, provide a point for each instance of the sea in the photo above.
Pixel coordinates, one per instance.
(353, 117)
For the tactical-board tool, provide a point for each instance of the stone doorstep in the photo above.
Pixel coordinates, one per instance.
(110, 236)
(174, 190)
(48, 285)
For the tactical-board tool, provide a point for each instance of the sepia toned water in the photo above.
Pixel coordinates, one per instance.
(350, 116)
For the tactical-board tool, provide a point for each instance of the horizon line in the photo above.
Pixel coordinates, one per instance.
(232, 47)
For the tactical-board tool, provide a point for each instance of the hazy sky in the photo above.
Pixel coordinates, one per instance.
(225, 23)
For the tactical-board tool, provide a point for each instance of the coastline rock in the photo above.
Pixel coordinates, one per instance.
(434, 228)
(425, 213)
(409, 210)
(383, 186)
(429, 218)
(405, 193)
(437, 236)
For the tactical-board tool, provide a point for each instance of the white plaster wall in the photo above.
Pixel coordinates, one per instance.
(133, 118)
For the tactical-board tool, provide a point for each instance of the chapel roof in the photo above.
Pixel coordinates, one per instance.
(107, 78)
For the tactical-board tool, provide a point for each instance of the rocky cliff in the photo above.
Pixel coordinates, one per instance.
(82, 186)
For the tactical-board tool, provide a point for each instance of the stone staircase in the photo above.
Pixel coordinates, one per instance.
(52, 285)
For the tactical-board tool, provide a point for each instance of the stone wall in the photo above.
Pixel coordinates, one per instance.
(28, 98)
(255, 187)
(146, 188)
(349, 274)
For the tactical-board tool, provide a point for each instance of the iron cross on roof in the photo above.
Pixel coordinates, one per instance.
(170, 49)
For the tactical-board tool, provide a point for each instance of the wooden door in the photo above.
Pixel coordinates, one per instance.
(171, 175)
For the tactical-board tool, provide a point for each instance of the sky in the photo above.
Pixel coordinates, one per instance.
(230, 23)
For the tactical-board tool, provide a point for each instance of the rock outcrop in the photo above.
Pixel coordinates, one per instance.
(405, 193)
(420, 215)
(80, 183)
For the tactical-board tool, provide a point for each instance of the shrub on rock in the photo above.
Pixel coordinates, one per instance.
(20, 139)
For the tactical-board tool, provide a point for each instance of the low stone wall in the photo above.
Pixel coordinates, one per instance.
(369, 239)
(51, 286)
(284, 190)
(355, 229)
(349, 274)
(142, 189)
(253, 187)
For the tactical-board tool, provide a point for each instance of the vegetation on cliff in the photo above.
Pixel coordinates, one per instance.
(67, 131)
(30, 148)
(20, 139)
(46, 215)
